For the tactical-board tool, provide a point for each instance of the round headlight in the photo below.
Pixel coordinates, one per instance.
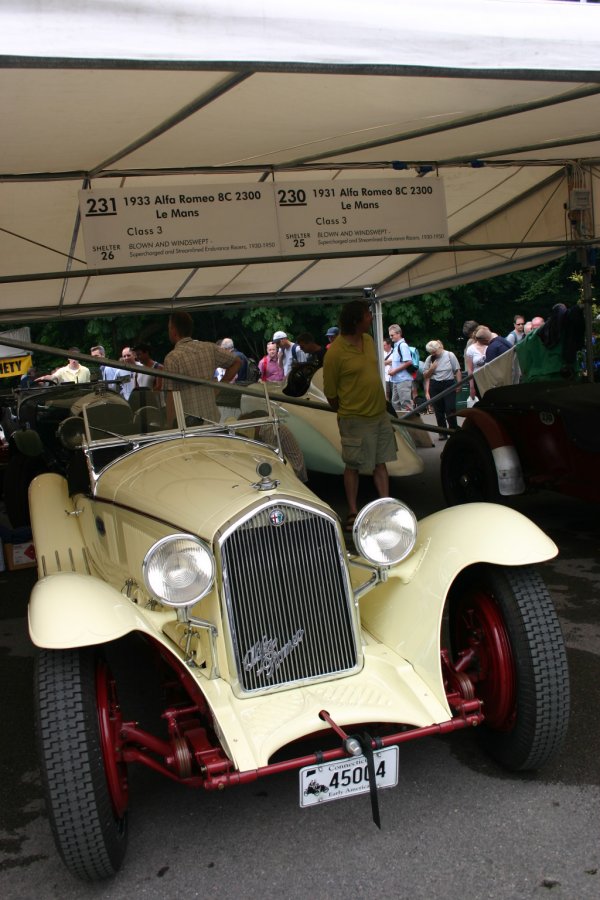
(385, 531)
(179, 570)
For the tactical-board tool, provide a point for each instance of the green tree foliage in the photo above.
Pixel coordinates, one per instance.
(113, 333)
(577, 279)
(251, 328)
(423, 318)
(493, 302)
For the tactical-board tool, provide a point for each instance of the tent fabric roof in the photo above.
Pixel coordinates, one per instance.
(500, 98)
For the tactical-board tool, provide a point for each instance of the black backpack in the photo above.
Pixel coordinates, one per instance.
(252, 371)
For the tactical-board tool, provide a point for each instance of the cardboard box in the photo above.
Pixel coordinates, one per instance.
(20, 556)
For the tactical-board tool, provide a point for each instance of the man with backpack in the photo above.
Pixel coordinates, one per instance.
(289, 353)
(401, 371)
(518, 332)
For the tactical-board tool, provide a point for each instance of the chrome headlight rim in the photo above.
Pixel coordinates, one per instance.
(159, 548)
(362, 536)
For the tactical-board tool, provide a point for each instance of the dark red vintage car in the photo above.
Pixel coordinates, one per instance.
(523, 437)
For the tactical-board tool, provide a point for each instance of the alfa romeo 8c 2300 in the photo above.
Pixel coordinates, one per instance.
(258, 637)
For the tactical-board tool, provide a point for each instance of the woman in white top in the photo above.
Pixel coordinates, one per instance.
(474, 359)
(441, 372)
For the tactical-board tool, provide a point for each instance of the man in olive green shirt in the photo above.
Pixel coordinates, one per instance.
(354, 389)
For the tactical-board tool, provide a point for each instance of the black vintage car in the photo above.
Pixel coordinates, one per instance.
(524, 437)
(31, 419)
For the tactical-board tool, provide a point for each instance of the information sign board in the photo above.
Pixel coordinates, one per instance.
(337, 216)
(128, 228)
(125, 228)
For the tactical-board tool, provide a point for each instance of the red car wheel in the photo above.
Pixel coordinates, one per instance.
(109, 724)
(479, 629)
(84, 782)
(506, 638)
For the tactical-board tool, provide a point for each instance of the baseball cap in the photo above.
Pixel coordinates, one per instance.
(331, 332)
(279, 335)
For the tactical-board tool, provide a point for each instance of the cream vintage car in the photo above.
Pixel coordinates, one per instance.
(303, 408)
(253, 623)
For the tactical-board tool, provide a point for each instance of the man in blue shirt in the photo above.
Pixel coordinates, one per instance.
(107, 373)
(496, 345)
(400, 376)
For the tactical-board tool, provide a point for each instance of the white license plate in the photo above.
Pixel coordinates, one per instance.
(347, 777)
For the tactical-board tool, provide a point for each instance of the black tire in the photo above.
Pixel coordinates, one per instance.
(468, 470)
(89, 831)
(506, 618)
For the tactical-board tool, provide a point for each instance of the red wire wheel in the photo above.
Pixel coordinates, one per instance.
(479, 627)
(505, 637)
(109, 725)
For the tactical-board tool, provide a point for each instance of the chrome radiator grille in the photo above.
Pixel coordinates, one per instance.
(288, 603)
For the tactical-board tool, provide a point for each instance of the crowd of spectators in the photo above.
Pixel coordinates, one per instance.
(539, 354)
(352, 383)
(544, 350)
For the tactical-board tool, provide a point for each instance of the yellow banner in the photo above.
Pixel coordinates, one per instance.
(14, 365)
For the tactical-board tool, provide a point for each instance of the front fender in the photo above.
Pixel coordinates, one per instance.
(73, 610)
(504, 453)
(405, 612)
(494, 432)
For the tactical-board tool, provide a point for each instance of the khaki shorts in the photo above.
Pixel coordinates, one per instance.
(367, 442)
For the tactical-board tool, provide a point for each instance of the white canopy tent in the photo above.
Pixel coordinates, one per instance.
(499, 98)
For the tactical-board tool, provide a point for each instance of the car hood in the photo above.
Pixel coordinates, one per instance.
(196, 483)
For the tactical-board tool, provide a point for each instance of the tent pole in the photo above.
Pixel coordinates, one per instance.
(586, 256)
(580, 216)
(376, 309)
